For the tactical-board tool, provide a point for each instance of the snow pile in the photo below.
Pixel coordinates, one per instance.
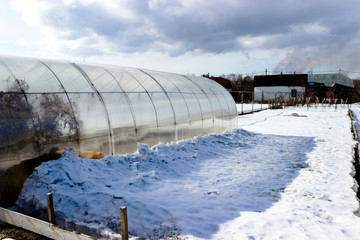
(279, 176)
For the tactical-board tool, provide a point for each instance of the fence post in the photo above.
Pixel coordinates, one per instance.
(353, 128)
(357, 160)
(50, 208)
(358, 152)
(242, 102)
(124, 224)
(252, 108)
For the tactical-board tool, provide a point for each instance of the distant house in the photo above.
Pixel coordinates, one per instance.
(342, 92)
(329, 79)
(222, 81)
(268, 87)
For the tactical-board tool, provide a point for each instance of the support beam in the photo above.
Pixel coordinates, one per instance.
(39, 227)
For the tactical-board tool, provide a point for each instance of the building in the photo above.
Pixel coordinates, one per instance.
(329, 79)
(222, 81)
(97, 110)
(269, 87)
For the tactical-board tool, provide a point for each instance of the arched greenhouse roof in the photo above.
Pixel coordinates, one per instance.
(98, 110)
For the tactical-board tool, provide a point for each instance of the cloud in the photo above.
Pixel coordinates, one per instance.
(178, 27)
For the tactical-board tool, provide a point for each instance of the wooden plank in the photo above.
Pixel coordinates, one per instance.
(353, 128)
(39, 227)
(350, 114)
(357, 156)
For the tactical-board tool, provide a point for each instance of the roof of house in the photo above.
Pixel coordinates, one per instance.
(222, 81)
(281, 80)
(330, 78)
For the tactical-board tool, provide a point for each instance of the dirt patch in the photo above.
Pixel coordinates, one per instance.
(296, 115)
(8, 231)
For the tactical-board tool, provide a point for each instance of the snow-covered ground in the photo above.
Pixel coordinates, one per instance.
(284, 174)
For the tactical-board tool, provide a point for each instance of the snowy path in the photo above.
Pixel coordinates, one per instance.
(320, 202)
(280, 176)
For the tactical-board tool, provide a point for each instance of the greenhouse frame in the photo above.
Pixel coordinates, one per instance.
(98, 110)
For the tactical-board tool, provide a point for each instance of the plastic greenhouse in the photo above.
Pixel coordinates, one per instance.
(98, 110)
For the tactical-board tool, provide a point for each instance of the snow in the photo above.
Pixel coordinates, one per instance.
(283, 174)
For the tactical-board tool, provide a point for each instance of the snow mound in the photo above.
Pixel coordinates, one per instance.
(184, 188)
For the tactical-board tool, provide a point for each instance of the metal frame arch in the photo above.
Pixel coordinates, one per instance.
(225, 100)
(187, 107)
(126, 96)
(222, 115)
(210, 84)
(67, 96)
(231, 116)
(152, 103)
(171, 105)
(111, 138)
(37, 150)
(212, 107)
(9, 110)
(197, 99)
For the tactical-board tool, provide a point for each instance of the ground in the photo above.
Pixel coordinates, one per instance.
(8, 231)
(284, 174)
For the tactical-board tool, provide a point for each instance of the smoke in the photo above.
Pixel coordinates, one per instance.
(303, 59)
(329, 57)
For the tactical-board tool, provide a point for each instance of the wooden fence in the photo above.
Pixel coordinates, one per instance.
(49, 229)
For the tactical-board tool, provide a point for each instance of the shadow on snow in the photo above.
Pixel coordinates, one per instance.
(189, 187)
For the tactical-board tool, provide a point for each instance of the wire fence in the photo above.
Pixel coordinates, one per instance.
(349, 73)
(245, 102)
(250, 102)
(259, 98)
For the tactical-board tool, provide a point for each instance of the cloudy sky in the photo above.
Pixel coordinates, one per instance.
(188, 36)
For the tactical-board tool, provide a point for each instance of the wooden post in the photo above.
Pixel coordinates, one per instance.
(353, 128)
(50, 207)
(242, 102)
(124, 224)
(253, 98)
(357, 156)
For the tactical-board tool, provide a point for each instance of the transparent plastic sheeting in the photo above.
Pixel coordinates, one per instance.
(100, 110)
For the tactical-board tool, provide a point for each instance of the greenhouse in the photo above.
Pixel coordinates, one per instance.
(98, 110)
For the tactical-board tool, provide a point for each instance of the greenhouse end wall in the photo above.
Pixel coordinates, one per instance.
(97, 110)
